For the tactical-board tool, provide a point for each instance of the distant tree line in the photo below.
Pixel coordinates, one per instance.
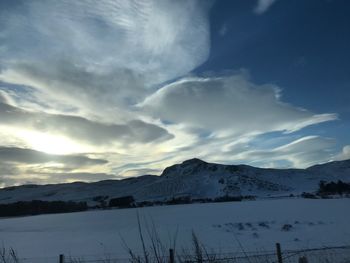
(189, 200)
(129, 201)
(37, 207)
(327, 189)
(338, 187)
(122, 202)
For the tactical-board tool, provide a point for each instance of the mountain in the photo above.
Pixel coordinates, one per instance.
(193, 178)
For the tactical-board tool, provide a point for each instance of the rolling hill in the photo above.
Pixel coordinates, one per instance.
(193, 178)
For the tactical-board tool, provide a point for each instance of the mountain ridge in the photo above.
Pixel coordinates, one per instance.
(192, 178)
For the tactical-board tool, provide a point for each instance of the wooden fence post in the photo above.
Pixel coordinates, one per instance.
(61, 258)
(303, 259)
(279, 253)
(171, 256)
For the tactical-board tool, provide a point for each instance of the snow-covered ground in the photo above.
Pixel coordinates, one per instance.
(257, 225)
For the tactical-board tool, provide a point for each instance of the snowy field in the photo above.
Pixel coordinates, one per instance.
(257, 225)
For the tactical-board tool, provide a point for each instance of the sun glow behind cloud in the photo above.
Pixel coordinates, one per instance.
(51, 144)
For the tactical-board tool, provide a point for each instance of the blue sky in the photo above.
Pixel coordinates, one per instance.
(302, 46)
(112, 89)
(299, 45)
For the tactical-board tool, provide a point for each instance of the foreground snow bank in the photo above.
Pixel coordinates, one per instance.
(257, 225)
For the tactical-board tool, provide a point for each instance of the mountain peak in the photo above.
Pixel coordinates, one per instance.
(184, 166)
(193, 161)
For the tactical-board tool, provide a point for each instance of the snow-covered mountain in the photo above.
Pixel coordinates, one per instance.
(193, 178)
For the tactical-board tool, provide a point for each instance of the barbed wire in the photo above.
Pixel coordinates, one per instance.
(228, 257)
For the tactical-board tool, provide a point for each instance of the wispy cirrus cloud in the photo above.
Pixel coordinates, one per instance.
(158, 40)
(263, 6)
(302, 152)
(76, 86)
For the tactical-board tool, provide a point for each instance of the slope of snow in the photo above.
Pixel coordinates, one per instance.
(193, 178)
(257, 225)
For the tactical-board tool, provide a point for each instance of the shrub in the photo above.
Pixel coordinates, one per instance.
(122, 202)
(308, 195)
(179, 200)
(228, 198)
(286, 227)
(8, 255)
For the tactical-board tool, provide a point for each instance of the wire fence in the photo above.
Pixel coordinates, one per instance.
(340, 254)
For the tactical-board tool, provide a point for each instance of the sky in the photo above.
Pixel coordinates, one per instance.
(110, 89)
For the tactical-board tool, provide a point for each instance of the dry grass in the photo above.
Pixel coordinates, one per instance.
(8, 255)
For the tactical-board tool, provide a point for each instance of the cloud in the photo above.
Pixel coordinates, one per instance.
(2, 97)
(84, 89)
(81, 129)
(8, 169)
(344, 154)
(76, 69)
(228, 106)
(23, 166)
(75, 177)
(288, 152)
(140, 172)
(53, 178)
(29, 156)
(97, 60)
(223, 30)
(302, 152)
(263, 6)
(158, 40)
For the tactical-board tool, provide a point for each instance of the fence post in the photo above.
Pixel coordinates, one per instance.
(61, 258)
(303, 259)
(171, 256)
(279, 253)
